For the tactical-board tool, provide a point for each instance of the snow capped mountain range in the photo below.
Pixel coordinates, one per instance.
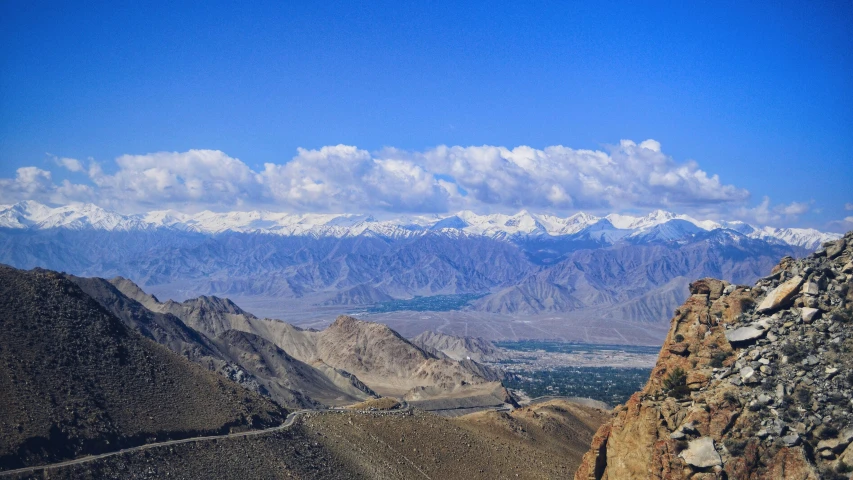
(615, 268)
(658, 225)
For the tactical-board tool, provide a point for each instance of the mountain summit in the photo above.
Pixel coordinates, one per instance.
(33, 215)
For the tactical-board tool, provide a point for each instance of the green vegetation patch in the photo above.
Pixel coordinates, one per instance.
(565, 347)
(607, 384)
(434, 303)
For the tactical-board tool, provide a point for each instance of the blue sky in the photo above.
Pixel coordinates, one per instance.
(760, 96)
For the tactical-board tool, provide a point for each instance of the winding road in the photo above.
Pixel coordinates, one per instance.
(288, 421)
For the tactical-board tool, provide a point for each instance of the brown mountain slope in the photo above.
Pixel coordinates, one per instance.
(559, 428)
(286, 376)
(458, 348)
(243, 356)
(751, 383)
(292, 454)
(75, 380)
(373, 353)
(383, 359)
(540, 442)
(544, 441)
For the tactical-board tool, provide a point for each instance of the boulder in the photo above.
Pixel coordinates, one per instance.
(744, 334)
(847, 456)
(811, 288)
(779, 296)
(833, 444)
(708, 286)
(791, 440)
(835, 248)
(701, 453)
(809, 314)
(748, 375)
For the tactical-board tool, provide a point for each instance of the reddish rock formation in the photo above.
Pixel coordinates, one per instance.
(770, 400)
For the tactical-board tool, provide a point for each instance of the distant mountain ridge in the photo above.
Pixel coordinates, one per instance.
(604, 269)
(34, 215)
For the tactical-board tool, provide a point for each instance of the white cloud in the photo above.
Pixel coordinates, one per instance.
(445, 178)
(628, 175)
(341, 178)
(72, 164)
(841, 226)
(33, 183)
(32, 179)
(794, 208)
(200, 177)
(765, 214)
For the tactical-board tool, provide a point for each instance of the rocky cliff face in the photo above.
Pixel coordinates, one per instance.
(751, 383)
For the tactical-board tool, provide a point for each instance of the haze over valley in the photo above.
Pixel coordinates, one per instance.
(426, 240)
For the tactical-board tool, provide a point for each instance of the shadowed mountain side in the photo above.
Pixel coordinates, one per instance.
(279, 371)
(214, 316)
(75, 380)
(620, 275)
(292, 454)
(165, 329)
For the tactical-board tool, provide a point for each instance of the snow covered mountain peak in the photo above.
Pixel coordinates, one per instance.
(32, 214)
(658, 225)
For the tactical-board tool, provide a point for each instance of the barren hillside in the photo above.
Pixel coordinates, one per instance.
(75, 380)
(542, 442)
(348, 352)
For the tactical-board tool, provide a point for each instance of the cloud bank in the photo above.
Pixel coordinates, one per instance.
(345, 178)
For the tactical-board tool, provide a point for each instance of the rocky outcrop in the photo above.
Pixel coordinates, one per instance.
(459, 348)
(389, 363)
(751, 383)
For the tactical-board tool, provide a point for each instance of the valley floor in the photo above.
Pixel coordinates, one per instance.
(578, 326)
